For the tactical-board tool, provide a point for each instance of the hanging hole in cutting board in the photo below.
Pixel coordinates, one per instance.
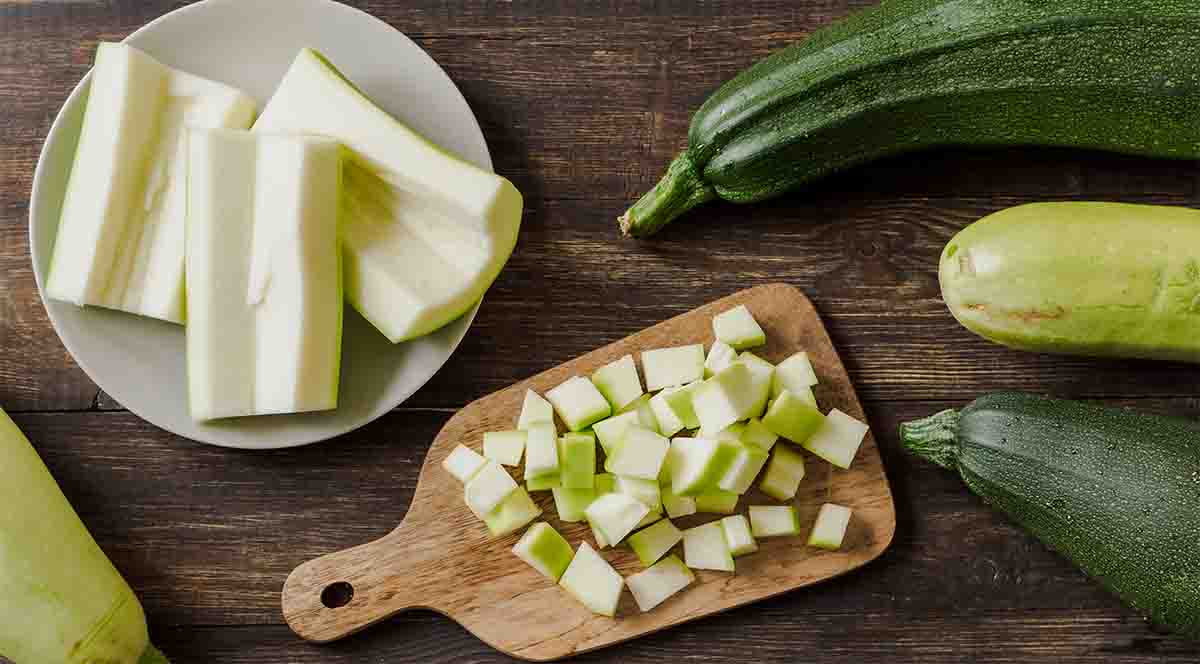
(337, 595)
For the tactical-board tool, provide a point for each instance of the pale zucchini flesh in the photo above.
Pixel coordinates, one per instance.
(425, 233)
(120, 240)
(653, 586)
(63, 601)
(263, 276)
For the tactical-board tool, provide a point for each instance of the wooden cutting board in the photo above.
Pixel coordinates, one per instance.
(441, 557)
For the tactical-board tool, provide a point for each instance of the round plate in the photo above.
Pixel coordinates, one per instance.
(250, 44)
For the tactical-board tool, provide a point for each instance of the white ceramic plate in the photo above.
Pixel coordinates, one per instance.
(249, 44)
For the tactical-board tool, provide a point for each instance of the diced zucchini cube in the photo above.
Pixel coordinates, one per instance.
(615, 515)
(535, 409)
(704, 547)
(488, 488)
(546, 483)
(541, 452)
(669, 367)
(697, 464)
(591, 580)
(784, 472)
(717, 502)
(837, 439)
(720, 356)
(653, 586)
(830, 528)
(513, 514)
(644, 491)
(764, 375)
(669, 423)
(577, 460)
(757, 434)
(738, 328)
(640, 454)
(726, 398)
(619, 382)
(572, 504)
(504, 447)
(740, 476)
(463, 462)
(579, 403)
(794, 374)
(641, 406)
(654, 542)
(738, 536)
(791, 418)
(774, 520)
(545, 550)
(677, 506)
(610, 431)
(680, 402)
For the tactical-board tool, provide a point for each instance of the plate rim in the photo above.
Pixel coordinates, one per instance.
(56, 127)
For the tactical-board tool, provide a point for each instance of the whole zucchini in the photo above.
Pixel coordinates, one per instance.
(1103, 279)
(1120, 75)
(1116, 492)
(61, 600)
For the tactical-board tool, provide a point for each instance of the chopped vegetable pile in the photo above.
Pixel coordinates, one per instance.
(694, 441)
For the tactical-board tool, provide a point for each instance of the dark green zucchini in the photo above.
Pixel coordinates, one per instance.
(1119, 75)
(1116, 492)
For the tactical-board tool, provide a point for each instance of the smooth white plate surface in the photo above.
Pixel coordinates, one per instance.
(249, 44)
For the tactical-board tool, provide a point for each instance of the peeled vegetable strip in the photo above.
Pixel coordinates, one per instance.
(63, 601)
(425, 233)
(121, 236)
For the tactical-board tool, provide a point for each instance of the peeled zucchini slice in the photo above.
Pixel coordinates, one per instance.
(774, 520)
(653, 586)
(619, 382)
(654, 542)
(704, 547)
(837, 439)
(545, 550)
(579, 403)
(830, 528)
(591, 580)
(738, 329)
(672, 367)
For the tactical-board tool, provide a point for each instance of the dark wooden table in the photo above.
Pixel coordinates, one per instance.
(583, 103)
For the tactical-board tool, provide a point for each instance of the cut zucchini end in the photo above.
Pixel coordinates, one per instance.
(680, 189)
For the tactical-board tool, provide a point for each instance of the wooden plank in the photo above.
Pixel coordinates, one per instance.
(207, 536)
(772, 632)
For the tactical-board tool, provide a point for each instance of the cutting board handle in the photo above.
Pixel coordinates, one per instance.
(340, 593)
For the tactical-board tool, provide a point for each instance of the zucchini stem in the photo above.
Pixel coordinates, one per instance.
(933, 438)
(681, 189)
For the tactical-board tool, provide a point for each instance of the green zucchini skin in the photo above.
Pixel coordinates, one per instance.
(1117, 75)
(1103, 279)
(1116, 492)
